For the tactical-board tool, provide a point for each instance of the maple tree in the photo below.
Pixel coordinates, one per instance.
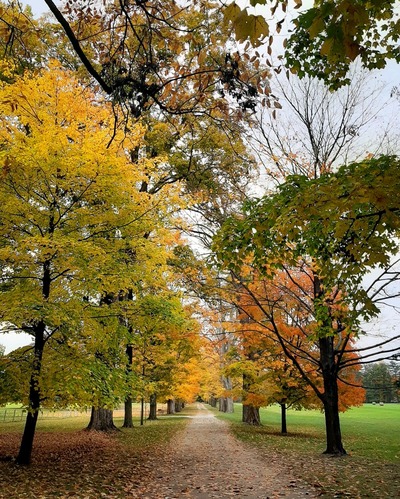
(334, 229)
(327, 37)
(273, 312)
(71, 213)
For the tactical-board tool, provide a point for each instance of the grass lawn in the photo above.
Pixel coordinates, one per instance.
(371, 436)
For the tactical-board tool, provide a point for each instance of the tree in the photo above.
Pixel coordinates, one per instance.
(130, 48)
(334, 230)
(70, 214)
(327, 37)
(319, 130)
(276, 312)
(378, 383)
(331, 35)
(162, 341)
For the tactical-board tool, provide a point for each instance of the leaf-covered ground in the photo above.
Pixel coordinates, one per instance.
(74, 464)
(201, 460)
(331, 477)
(195, 457)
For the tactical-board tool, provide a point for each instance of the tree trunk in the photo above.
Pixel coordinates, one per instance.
(170, 406)
(251, 415)
(141, 411)
(222, 404)
(334, 443)
(213, 401)
(101, 419)
(226, 403)
(178, 405)
(39, 328)
(283, 419)
(25, 450)
(153, 407)
(128, 420)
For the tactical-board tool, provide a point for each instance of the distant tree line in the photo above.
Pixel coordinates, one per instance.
(382, 382)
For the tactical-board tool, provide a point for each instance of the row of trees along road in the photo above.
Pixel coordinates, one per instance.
(97, 242)
(137, 68)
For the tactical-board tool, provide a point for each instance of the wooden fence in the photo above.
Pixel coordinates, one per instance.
(8, 415)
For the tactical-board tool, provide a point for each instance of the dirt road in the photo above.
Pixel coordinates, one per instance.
(206, 461)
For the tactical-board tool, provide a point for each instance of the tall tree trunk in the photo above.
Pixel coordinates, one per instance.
(39, 328)
(251, 415)
(101, 419)
(222, 404)
(178, 405)
(334, 443)
(128, 421)
(25, 450)
(213, 401)
(141, 411)
(153, 407)
(226, 403)
(283, 419)
(170, 406)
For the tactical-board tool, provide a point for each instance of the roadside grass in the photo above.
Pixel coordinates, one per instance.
(70, 462)
(371, 436)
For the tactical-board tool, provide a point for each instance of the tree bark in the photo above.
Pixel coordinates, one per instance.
(153, 407)
(283, 419)
(39, 328)
(178, 405)
(226, 403)
(251, 415)
(128, 420)
(25, 450)
(213, 401)
(170, 406)
(330, 399)
(101, 419)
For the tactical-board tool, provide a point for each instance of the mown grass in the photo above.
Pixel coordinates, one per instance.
(370, 435)
(368, 431)
(151, 431)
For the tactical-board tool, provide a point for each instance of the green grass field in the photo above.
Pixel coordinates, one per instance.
(371, 436)
(370, 431)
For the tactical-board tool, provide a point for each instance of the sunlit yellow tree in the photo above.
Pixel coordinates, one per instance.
(72, 218)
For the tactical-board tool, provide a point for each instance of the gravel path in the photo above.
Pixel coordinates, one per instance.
(206, 461)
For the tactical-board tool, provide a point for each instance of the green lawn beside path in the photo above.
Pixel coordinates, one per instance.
(371, 436)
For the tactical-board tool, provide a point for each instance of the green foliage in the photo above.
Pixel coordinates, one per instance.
(328, 36)
(345, 222)
(331, 35)
(247, 26)
(379, 383)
